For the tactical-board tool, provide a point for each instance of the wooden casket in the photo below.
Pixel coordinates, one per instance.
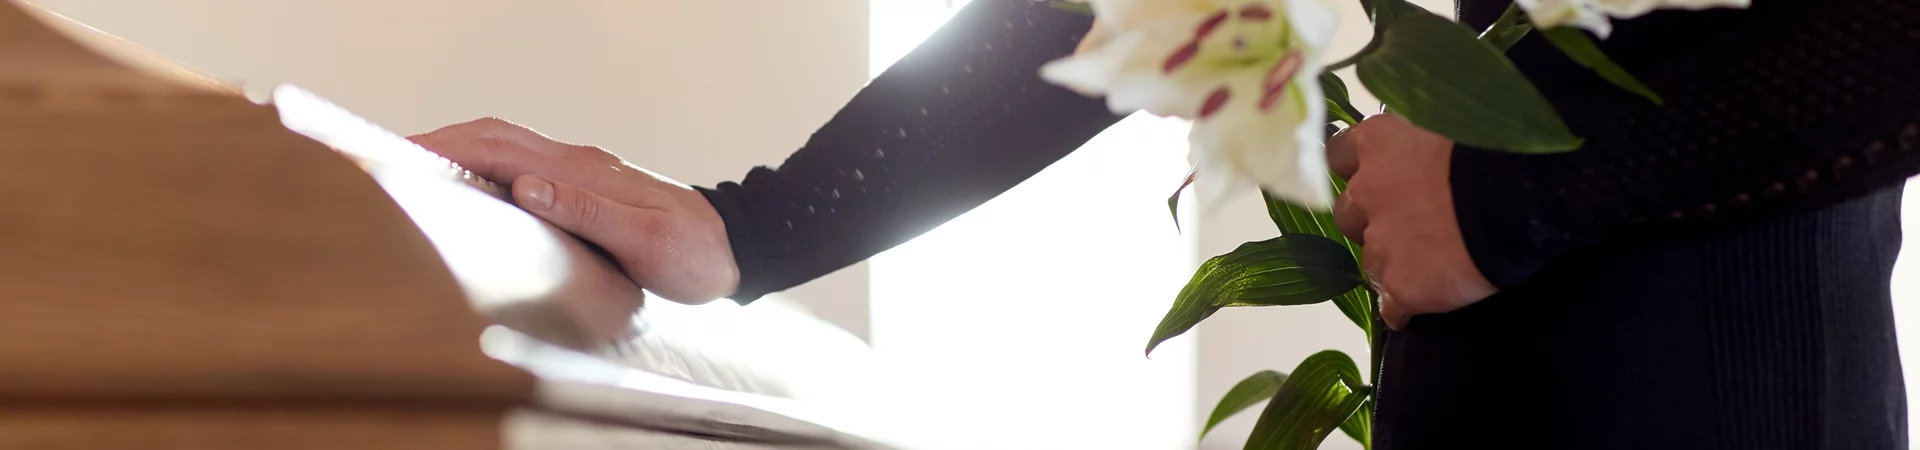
(185, 266)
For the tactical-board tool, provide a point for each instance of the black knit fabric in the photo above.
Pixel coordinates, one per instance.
(1787, 106)
(1712, 273)
(962, 118)
(1771, 335)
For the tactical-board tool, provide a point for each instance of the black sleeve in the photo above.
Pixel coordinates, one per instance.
(961, 119)
(1785, 107)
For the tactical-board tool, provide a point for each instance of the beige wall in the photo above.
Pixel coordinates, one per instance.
(697, 90)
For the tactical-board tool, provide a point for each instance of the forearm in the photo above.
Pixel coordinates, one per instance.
(956, 122)
(1787, 107)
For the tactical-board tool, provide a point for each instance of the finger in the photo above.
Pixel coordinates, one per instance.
(641, 240)
(1350, 218)
(489, 147)
(578, 211)
(1343, 158)
(1373, 260)
(501, 151)
(1391, 312)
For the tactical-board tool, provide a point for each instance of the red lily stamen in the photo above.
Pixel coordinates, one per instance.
(1277, 79)
(1215, 100)
(1186, 52)
(1256, 13)
(1206, 27)
(1180, 57)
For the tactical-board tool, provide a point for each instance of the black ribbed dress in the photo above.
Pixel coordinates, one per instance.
(1712, 273)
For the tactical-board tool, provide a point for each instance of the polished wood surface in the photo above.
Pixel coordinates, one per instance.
(261, 429)
(185, 244)
(47, 54)
(177, 270)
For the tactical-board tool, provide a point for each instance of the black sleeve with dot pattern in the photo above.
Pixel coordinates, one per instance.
(1788, 106)
(962, 118)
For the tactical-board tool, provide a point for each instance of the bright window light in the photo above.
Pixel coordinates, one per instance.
(1906, 304)
(1026, 318)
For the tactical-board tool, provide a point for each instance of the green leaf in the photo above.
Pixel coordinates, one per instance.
(1582, 50)
(1381, 15)
(1074, 7)
(1507, 29)
(1505, 39)
(1356, 304)
(1385, 12)
(1359, 426)
(1173, 201)
(1338, 102)
(1313, 402)
(1291, 218)
(1254, 389)
(1434, 73)
(1334, 112)
(1297, 269)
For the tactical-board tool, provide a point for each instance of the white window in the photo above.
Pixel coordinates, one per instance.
(1030, 313)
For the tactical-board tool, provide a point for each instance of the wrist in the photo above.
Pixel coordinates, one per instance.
(1493, 218)
(722, 218)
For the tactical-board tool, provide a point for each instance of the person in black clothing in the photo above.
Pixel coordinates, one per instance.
(1711, 273)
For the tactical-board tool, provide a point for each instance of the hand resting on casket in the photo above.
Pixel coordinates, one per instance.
(662, 233)
(516, 269)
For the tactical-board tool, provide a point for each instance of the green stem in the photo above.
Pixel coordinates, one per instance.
(1508, 29)
(1378, 337)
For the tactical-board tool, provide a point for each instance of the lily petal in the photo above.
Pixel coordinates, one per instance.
(1636, 8)
(1556, 13)
(1597, 15)
(1128, 71)
(1241, 69)
(1281, 151)
(1315, 22)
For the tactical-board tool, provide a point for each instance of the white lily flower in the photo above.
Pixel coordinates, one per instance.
(1245, 71)
(1597, 15)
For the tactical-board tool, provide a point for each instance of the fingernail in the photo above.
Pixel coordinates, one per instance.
(534, 193)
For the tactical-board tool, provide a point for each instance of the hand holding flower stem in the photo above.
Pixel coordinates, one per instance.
(1243, 71)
